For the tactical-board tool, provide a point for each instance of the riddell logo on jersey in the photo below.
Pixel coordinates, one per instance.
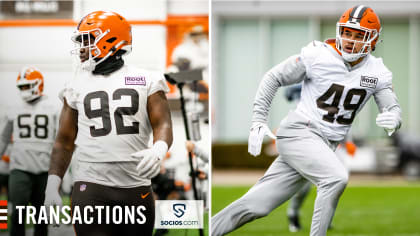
(369, 82)
(3, 214)
(136, 80)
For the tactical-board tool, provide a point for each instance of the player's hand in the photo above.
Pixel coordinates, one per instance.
(189, 145)
(149, 159)
(388, 120)
(256, 137)
(52, 197)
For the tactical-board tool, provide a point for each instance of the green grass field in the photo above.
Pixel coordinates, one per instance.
(362, 211)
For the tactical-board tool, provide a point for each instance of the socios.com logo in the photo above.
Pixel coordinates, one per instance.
(179, 209)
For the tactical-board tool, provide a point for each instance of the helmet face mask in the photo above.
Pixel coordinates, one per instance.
(363, 20)
(86, 42)
(100, 35)
(30, 83)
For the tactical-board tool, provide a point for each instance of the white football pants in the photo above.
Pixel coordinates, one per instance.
(304, 154)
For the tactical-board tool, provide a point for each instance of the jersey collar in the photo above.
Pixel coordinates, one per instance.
(331, 47)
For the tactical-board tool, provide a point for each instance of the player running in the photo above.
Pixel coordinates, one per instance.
(339, 76)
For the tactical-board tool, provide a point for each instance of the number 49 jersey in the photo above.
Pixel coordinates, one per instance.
(113, 121)
(333, 93)
(34, 128)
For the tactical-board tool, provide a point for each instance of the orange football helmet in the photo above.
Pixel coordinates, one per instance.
(364, 19)
(102, 33)
(30, 82)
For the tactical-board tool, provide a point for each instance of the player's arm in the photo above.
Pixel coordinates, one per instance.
(290, 71)
(198, 151)
(61, 154)
(390, 111)
(6, 129)
(64, 142)
(160, 119)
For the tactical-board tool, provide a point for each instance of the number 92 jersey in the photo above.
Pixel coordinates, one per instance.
(333, 93)
(113, 120)
(34, 127)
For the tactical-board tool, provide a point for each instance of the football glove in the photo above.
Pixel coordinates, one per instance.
(388, 120)
(256, 137)
(52, 197)
(149, 159)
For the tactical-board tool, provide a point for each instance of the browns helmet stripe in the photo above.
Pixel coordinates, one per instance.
(357, 13)
(23, 73)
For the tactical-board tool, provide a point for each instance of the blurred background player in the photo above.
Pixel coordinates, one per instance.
(202, 166)
(335, 88)
(113, 160)
(5, 171)
(193, 52)
(33, 126)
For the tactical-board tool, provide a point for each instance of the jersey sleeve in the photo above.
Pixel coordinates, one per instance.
(288, 72)
(6, 129)
(308, 55)
(385, 97)
(69, 93)
(157, 83)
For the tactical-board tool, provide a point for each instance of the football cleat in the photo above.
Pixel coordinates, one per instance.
(294, 224)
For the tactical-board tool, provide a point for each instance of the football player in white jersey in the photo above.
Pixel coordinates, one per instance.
(339, 76)
(110, 111)
(32, 124)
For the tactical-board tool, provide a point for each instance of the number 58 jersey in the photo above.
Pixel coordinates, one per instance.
(333, 93)
(34, 128)
(113, 120)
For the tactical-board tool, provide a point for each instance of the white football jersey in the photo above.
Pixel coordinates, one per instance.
(333, 93)
(34, 129)
(113, 123)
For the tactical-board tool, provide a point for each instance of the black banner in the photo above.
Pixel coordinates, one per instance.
(36, 9)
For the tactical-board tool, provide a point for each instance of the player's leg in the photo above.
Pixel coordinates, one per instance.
(295, 203)
(88, 194)
(138, 197)
(4, 184)
(37, 200)
(277, 185)
(311, 156)
(20, 185)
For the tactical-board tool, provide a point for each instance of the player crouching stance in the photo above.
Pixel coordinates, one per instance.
(338, 79)
(110, 110)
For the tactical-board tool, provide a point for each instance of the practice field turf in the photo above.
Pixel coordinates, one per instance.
(362, 211)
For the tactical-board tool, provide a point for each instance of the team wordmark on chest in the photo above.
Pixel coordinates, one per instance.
(369, 82)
